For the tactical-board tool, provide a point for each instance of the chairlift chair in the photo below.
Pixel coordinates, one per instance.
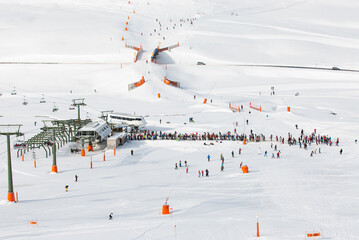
(71, 107)
(20, 144)
(25, 102)
(13, 92)
(42, 100)
(55, 108)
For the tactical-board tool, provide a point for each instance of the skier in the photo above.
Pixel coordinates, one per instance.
(199, 173)
(272, 155)
(110, 216)
(209, 158)
(202, 173)
(247, 121)
(185, 163)
(275, 147)
(35, 124)
(240, 165)
(341, 151)
(67, 188)
(278, 154)
(180, 163)
(176, 167)
(207, 173)
(131, 152)
(239, 151)
(311, 154)
(232, 154)
(76, 177)
(265, 153)
(186, 170)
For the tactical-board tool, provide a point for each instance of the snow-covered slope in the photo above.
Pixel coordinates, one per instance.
(70, 49)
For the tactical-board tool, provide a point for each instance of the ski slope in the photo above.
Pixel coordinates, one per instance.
(74, 49)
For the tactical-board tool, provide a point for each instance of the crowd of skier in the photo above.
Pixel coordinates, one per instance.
(228, 136)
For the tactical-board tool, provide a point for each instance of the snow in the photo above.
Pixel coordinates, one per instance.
(69, 49)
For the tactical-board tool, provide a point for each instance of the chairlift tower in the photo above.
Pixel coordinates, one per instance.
(77, 103)
(8, 130)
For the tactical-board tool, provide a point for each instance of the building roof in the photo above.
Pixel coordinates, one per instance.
(100, 127)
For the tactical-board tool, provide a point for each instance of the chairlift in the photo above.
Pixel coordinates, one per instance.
(71, 107)
(25, 102)
(55, 108)
(42, 100)
(13, 92)
(48, 143)
(19, 144)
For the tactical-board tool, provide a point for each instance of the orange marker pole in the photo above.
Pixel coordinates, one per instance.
(10, 197)
(257, 227)
(23, 157)
(35, 163)
(114, 151)
(17, 196)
